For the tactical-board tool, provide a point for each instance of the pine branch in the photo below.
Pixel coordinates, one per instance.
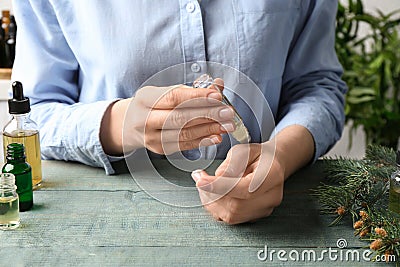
(381, 155)
(359, 188)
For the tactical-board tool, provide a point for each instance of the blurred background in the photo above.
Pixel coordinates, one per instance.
(368, 46)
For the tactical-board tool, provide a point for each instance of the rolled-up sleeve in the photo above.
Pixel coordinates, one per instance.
(313, 92)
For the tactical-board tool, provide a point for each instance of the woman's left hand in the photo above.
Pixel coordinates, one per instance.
(248, 185)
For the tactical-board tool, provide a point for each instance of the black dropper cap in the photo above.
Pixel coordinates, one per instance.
(18, 104)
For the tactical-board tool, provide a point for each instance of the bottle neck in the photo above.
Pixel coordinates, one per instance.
(7, 179)
(23, 116)
(21, 120)
(15, 153)
(13, 159)
(7, 184)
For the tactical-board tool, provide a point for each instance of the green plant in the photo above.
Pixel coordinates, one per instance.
(358, 189)
(371, 65)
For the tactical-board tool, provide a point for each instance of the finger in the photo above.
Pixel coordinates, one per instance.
(239, 187)
(235, 187)
(174, 96)
(238, 159)
(196, 132)
(218, 84)
(262, 168)
(235, 165)
(178, 118)
(235, 211)
(173, 147)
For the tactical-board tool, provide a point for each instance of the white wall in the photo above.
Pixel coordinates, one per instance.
(5, 4)
(4, 85)
(384, 5)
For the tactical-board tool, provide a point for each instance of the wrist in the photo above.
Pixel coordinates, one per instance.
(294, 148)
(111, 128)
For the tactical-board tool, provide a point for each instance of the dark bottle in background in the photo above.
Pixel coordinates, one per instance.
(3, 57)
(17, 165)
(5, 20)
(10, 42)
(8, 35)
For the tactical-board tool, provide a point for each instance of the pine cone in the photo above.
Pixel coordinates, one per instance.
(380, 231)
(377, 244)
(363, 214)
(364, 232)
(358, 224)
(341, 210)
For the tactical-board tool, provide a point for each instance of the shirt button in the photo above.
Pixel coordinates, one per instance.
(190, 7)
(195, 67)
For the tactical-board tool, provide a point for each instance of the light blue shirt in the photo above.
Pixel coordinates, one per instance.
(75, 57)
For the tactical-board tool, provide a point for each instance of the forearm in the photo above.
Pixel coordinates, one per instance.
(294, 148)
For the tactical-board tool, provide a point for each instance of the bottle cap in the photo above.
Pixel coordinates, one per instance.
(19, 104)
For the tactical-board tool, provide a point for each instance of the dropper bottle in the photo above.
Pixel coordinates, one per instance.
(21, 129)
(241, 134)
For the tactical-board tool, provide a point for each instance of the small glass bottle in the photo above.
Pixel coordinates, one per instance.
(394, 191)
(9, 207)
(21, 129)
(16, 164)
(241, 134)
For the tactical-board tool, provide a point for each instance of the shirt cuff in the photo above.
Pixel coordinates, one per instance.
(317, 120)
(83, 141)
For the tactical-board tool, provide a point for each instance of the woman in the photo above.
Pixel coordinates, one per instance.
(82, 64)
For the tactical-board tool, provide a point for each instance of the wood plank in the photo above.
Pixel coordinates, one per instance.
(83, 217)
(98, 218)
(59, 175)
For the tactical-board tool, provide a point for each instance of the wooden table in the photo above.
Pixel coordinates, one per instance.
(83, 217)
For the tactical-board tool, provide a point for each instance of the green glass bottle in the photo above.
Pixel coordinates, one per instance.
(17, 165)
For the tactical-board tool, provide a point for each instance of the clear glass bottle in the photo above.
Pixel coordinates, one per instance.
(21, 129)
(241, 134)
(16, 164)
(394, 191)
(9, 206)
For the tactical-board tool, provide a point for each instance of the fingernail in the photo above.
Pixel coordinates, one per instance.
(215, 96)
(196, 175)
(228, 127)
(218, 87)
(215, 140)
(226, 113)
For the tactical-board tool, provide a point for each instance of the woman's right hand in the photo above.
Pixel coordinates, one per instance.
(166, 120)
